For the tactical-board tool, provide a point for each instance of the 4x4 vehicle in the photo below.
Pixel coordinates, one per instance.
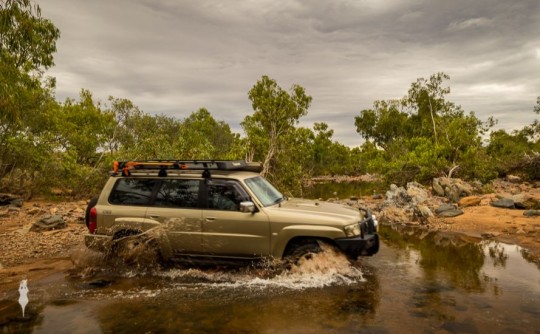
(220, 210)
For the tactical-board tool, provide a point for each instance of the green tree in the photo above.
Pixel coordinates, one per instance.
(276, 113)
(210, 138)
(27, 44)
(423, 135)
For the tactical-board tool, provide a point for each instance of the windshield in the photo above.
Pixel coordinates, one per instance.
(264, 190)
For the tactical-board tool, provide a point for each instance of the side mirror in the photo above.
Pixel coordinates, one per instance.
(247, 207)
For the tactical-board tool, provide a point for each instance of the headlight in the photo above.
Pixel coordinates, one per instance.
(352, 230)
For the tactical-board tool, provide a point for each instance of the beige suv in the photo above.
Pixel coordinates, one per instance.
(220, 210)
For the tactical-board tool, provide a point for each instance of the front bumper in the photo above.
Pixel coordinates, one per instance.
(366, 244)
(359, 246)
(97, 242)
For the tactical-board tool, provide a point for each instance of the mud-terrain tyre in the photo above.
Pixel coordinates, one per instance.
(134, 248)
(89, 207)
(300, 251)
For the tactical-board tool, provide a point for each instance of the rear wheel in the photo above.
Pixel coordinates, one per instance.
(136, 248)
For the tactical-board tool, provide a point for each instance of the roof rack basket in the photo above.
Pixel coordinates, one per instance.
(163, 166)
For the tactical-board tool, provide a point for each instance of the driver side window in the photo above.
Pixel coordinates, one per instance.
(225, 195)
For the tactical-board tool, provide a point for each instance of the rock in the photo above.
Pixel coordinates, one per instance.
(48, 223)
(526, 202)
(10, 199)
(451, 188)
(423, 214)
(394, 215)
(33, 211)
(505, 203)
(439, 191)
(448, 210)
(417, 193)
(469, 201)
(490, 235)
(513, 179)
(531, 213)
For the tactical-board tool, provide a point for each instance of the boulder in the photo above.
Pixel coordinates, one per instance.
(453, 189)
(9, 199)
(394, 215)
(423, 214)
(469, 201)
(526, 202)
(532, 213)
(47, 223)
(513, 179)
(448, 210)
(417, 193)
(505, 203)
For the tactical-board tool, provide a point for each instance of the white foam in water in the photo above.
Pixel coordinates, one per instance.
(324, 269)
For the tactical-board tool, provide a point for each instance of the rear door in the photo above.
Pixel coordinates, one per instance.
(177, 208)
(225, 230)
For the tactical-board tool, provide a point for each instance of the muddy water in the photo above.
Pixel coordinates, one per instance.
(420, 282)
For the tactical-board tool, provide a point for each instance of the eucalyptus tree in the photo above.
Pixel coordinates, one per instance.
(276, 112)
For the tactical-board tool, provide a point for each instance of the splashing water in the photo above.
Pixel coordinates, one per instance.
(23, 295)
(135, 256)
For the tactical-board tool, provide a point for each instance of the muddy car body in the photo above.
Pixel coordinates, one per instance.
(220, 210)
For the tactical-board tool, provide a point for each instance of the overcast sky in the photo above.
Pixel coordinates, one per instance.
(175, 56)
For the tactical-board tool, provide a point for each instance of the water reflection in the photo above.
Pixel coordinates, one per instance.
(452, 256)
(342, 190)
(420, 282)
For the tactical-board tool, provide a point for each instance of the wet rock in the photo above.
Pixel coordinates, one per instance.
(469, 201)
(448, 210)
(505, 203)
(48, 223)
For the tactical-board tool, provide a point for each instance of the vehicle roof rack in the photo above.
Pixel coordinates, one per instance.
(162, 167)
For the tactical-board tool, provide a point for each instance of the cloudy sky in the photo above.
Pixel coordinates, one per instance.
(175, 56)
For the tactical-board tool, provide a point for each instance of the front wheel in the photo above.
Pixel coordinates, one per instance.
(299, 252)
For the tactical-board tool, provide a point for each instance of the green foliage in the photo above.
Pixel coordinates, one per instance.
(276, 113)
(69, 146)
(422, 135)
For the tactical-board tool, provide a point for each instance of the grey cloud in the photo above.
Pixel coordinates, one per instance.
(175, 56)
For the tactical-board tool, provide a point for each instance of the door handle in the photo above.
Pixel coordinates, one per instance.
(153, 217)
(210, 219)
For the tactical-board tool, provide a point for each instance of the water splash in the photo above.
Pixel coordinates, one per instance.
(23, 295)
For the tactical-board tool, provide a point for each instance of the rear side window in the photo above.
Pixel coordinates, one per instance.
(178, 194)
(133, 191)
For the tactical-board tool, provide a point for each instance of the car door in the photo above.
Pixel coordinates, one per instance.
(177, 208)
(225, 230)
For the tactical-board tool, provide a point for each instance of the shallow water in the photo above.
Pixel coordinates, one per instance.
(420, 282)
